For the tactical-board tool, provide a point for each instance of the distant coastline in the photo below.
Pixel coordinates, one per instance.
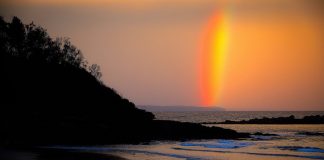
(315, 119)
(179, 108)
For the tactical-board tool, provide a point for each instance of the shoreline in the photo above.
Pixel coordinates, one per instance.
(314, 119)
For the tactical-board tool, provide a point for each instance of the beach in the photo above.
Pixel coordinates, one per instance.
(286, 142)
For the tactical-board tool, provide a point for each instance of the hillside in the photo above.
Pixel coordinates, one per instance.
(51, 95)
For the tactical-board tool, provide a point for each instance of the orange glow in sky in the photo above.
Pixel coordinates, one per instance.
(214, 50)
(255, 55)
(271, 59)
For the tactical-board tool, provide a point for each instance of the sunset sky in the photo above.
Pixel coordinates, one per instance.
(239, 55)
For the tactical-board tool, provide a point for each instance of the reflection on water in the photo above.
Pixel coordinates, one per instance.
(294, 129)
(288, 144)
(301, 149)
(227, 144)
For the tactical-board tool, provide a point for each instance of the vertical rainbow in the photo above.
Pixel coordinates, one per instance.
(214, 50)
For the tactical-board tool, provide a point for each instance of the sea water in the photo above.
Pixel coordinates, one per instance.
(288, 142)
(219, 116)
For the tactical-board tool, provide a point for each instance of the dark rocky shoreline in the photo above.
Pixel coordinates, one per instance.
(315, 119)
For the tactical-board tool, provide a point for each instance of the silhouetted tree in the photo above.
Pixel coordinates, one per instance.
(33, 43)
(95, 71)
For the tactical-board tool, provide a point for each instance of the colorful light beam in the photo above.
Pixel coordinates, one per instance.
(214, 49)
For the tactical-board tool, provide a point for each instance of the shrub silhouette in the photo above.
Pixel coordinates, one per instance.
(33, 43)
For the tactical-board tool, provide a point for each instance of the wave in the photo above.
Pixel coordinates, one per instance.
(253, 153)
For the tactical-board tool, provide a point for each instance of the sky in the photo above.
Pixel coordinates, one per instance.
(264, 55)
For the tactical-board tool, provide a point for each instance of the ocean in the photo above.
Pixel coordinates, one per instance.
(219, 116)
(290, 143)
(286, 142)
